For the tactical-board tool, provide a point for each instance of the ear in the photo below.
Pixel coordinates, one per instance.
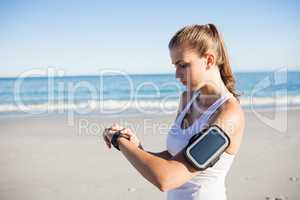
(210, 59)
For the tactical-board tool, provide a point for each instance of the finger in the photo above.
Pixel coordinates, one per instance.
(127, 136)
(104, 137)
(104, 133)
(115, 126)
(108, 143)
(107, 140)
(124, 130)
(117, 129)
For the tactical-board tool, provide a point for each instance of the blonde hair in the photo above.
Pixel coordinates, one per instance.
(204, 38)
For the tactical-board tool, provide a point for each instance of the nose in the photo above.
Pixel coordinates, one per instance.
(178, 72)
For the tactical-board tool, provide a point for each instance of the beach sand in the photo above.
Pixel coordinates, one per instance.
(45, 158)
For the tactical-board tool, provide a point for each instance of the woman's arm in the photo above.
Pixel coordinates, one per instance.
(164, 154)
(168, 174)
(164, 174)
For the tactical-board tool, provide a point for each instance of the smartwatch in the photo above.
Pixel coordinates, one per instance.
(115, 137)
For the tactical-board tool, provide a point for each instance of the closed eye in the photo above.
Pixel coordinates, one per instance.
(183, 65)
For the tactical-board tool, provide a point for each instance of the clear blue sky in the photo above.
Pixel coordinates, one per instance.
(83, 37)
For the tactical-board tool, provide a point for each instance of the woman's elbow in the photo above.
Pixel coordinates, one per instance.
(160, 181)
(165, 183)
(167, 179)
(166, 186)
(171, 181)
(163, 187)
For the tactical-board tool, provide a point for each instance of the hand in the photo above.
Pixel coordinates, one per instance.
(132, 137)
(126, 132)
(109, 132)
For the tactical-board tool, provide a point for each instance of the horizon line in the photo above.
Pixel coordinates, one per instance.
(138, 74)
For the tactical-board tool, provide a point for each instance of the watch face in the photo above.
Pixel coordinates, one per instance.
(207, 146)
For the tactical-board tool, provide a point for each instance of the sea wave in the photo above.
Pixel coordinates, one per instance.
(140, 106)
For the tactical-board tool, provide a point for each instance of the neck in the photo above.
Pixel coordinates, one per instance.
(216, 87)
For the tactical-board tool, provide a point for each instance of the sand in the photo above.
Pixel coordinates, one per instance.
(45, 158)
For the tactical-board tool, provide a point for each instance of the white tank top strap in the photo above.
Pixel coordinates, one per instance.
(186, 108)
(212, 109)
(202, 120)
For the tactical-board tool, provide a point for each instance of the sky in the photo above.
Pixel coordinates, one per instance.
(83, 37)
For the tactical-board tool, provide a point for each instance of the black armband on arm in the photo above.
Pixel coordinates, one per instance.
(205, 148)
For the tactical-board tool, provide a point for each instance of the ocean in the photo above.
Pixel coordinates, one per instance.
(123, 94)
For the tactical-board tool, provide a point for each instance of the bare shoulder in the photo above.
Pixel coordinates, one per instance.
(230, 114)
(230, 118)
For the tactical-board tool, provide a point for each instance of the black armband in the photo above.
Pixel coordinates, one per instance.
(205, 148)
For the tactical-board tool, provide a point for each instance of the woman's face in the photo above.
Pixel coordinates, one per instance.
(190, 68)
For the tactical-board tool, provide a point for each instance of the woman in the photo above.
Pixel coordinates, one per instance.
(202, 65)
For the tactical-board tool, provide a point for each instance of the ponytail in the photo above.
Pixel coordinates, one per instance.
(223, 63)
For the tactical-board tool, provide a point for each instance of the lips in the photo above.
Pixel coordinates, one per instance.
(181, 79)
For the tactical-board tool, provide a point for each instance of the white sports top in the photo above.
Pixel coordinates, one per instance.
(210, 183)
